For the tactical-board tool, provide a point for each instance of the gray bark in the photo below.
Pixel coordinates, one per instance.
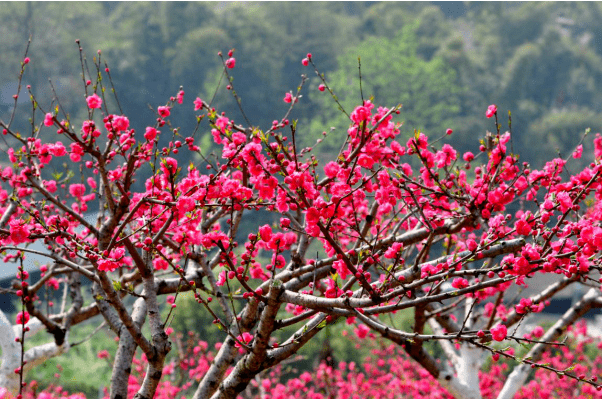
(125, 353)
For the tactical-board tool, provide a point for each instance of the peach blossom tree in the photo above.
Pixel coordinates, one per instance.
(394, 222)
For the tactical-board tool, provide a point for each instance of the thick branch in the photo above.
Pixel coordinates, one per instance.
(252, 363)
(161, 345)
(125, 353)
(227, 353)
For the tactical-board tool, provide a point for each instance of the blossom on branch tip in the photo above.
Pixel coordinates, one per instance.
(94, 101)
(163, 111)
(198, 104)
(445, 156)
(230, 63)
(491, 111)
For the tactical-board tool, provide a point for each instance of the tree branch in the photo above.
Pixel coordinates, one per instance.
(592, 299)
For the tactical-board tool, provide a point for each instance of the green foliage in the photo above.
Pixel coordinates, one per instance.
(79, 368)
(392, 73)
(444, 67)
(535, 59)
(561, 131)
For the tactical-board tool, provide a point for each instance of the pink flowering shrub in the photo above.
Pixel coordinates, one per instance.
(386, 372)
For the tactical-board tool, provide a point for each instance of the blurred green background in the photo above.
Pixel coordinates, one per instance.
(444, 61)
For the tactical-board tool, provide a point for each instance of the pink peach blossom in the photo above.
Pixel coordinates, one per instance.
(94, 101)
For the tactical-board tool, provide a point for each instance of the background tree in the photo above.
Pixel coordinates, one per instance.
(533, 58)
(427, 90)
